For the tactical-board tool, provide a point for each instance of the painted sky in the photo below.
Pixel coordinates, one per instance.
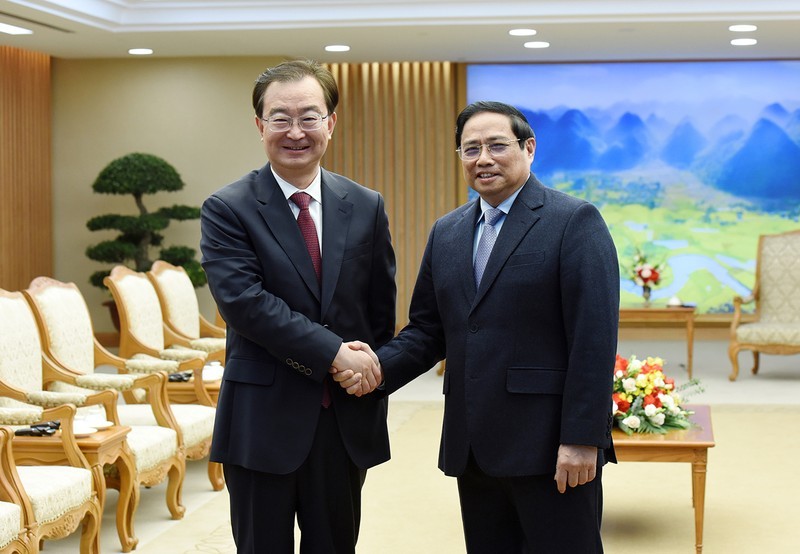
(666, 89)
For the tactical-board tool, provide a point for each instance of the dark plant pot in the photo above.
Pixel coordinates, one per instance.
(112, 308)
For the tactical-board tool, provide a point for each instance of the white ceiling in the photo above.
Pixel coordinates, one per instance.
(382, 30)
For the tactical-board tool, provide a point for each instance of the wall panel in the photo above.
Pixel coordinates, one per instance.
(395, 135)
(26, 238)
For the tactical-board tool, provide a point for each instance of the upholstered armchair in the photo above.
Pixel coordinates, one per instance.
(68, 338)
(53, 499)
(13, 534)
(145, 337)
(181, 310)
(28, 375)
(776, 293)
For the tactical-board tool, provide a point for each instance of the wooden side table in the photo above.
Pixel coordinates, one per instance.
(690, 445)
(650, 314)
(103, 447)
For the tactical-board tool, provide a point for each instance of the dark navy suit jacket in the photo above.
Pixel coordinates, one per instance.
(530, 353)
(284, 329)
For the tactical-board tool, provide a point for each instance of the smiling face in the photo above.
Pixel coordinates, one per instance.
(295, 154)
(495, 178)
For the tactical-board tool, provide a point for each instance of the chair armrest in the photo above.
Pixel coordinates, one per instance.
(208, 329)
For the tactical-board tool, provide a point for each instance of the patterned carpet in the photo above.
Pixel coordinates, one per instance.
(409, 506)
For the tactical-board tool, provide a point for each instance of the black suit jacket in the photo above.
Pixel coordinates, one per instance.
(284, 329)
(530, 354)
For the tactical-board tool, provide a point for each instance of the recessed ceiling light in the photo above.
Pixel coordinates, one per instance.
(337, 48)
(140, 51)
(522, 32)
(537, 44)
(744, 41)
(742, 28)
(14, 30)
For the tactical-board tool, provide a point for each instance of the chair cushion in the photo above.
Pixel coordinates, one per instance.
(23, 415)
(769, 333)
(196, 421)
(10, 522)
(142, 363)
(151, 445)
(208, 344)
(181, 353)
(181, 300)
(20, 348)
(55, 490)
(68, 326)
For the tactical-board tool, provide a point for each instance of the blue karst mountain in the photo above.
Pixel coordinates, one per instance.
(683, 145)
(775, 112)
(727, 126)
(793, 127)
(628, 142)
(574, 139)
(766, 166)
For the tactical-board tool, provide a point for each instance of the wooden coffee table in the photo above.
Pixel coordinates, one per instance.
(650, 314)
(690, 445)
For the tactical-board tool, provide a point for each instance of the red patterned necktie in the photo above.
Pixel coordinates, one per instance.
(309, 232)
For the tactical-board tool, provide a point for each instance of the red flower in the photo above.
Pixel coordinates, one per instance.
(622, 405)
(651, 399)
(620, 363)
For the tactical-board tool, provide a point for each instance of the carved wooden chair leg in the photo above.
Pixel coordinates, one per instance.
(756, 359)
(733, 354)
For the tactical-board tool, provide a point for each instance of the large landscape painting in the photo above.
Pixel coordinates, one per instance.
(689, 162)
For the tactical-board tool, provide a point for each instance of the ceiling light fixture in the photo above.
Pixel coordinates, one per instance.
(140, 51)
(744, 41)
(537, 44)
(522, 32)
(337, 48)
(742, 28)
(14, 30)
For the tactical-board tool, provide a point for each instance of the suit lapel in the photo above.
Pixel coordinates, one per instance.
(336, 215)
(518, 222)
(283, 226)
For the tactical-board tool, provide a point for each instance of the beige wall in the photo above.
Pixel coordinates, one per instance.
(194, 113)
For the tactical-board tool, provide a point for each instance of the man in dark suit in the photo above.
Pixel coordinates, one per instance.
(529, 329)
(299, 260)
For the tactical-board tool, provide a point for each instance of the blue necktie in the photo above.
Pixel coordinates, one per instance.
(489, 236)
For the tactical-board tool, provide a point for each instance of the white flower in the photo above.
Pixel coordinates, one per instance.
(674, 410)
(657, 419)
(650, 410)
(641, 380)
(629, 384)
(645, 272)
(666, 400)
(634, 364)
(619, 374)
(632, 422)
(659, 382)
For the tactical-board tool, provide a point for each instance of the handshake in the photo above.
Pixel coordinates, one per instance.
(356, 368)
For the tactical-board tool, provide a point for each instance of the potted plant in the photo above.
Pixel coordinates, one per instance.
(141, 234)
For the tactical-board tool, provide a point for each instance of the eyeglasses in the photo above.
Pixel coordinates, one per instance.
(281, 123)
(473, 152)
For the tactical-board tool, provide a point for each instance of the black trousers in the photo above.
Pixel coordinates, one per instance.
(527, 515)
(324, 494)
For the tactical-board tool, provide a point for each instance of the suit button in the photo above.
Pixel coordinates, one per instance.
(289, 361)
(296, 365)
(307, 371)
(473, 328)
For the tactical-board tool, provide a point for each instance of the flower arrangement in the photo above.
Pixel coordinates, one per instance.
(647, 401)
(645, 273)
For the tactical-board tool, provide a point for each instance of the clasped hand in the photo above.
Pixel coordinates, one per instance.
(356, 368)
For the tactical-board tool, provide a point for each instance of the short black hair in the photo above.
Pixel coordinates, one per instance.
(296, 70)
(519, 125)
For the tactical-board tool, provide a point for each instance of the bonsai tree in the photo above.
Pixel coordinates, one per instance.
(140, 174)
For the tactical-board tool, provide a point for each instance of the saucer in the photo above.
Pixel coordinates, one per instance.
(81, 432)
(99, 424)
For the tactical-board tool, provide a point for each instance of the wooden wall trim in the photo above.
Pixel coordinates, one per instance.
(395, 134)
(26, 218)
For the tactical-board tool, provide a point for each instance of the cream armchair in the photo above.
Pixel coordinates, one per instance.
(13, 534)
(30, 376)
(68, 337)
(145, 338)
(181, 310)
(54, 500)
(776, 293)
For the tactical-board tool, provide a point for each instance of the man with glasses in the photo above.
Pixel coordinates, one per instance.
(520, 291)
(299, 260)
